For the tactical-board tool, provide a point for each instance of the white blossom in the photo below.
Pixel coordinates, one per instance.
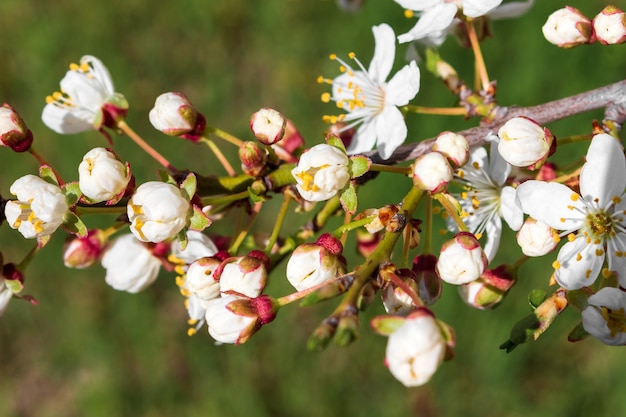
(173, 114)
(593, 220)
(523, 142)
(321, 173)
(453, 146)
(415, 350)
(226, 326)
(243, 275)
(39, 208)
(567, 27)
(605, 318)
(199, 245)
(201, 280)
(432, 172)
(371, 101)
(311, 264)
(102, 176)
(130, 265)
(157, 211)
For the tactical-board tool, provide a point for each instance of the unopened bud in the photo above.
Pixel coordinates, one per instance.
(489, 290)
(253, 158)
(290, 145)
(13, 131)
(173, 114)
(567, 27)
(268, 126)
(432, 172)
(82, 252)
(610, 26)
(428, 281)
(524, 143)
(347, 327)
(461, 260)
(312, 264)
(537, 238)
(453, 146)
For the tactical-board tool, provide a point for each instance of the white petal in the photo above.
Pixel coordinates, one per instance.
(404, 85)
(493, 230)
(499, 169)
(391, 131)
(418, 5)
(475, 8)
(551, 203)
(364, 139)
(384, 53)
(101, 73)
(513, 9)
(604, 173)
(479, 156)
(61, 120)
(580, 264)
(510, 211)
(437, 19)
(84, 91)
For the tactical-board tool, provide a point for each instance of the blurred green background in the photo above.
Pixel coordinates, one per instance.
(87, 350)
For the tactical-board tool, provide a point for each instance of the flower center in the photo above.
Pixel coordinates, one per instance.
(615, 320)
(598, 226)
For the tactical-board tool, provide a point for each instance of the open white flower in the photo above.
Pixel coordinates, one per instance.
(86, 100)
(605, 316)
(102, 176)
(370, 100)
(39, 208)
(157, 211)
(321, 173)
(593, 221)
(487, 200)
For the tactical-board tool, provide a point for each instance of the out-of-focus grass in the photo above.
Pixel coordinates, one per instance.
(88, 350)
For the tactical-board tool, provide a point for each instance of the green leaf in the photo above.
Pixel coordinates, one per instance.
(72, 193)
(359, 165)
(199, 221)
(73, 224)
(536, 297)
(336, 141)
(523, 331)
(47, 174)
(385, 325)
(188, 187)
(348, 199)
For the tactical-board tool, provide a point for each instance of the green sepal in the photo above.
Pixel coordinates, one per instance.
(182, 238)
(73, 224)
(16, 286)
(359, 165)
(188, 187)
(386, 325)
(348, 199)
(336, 141)
(254, 197)
(523, 331)
(347, 330)
(43, 241)
(199, 220)
(536, 297)
(118, 100)
(47, 174)
(578, 333)
(72, 193)
(166, 177)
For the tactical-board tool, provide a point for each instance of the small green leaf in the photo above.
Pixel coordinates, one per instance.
(73, 224)
(359, 165)
(188, 187)
(72, 193)
(166, 177)
(254, 197)
(199, 221)
(536, 297)
(385, 325)
(336, 141)
(47, 174)
(348, 199)
(14, 285)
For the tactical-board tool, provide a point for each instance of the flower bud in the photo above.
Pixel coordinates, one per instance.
(489, 290)
(244, 275)
(157, 211)
(537, 238)
(82, 252)
(610, 26)
(604, 316)
(231, 319)
(253, 158)
(314, 263)
(395, 299)
(461, 260)
(201, 279)
(428, 281)
(39, 208)
(321, 172)
(567, 27)
(268, 126)
(367, 242)
(102, 176)
(415, 349)
(13, 131)
(453, 146)
(524, 143)
(130, 265)
(173, 114)
(432, 172)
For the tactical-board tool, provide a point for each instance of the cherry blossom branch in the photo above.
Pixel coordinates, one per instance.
(612, 97)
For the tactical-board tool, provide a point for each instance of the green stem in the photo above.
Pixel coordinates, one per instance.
(42, 161)
(428, 227)
(225, 199)
(344, 228)
(234, 247)
(224, 135)
(123, 126)
(80, 210)
(29, 257)
(390, 168)
(219, 155)
(451, 210)
(573, 139)
(441, 111)
(279, 222)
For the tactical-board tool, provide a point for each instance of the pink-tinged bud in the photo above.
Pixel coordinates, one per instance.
(13, 131)
(367, 242)
(102, 176)
(253, 158)
(537, 238)
(524, 143)
(461, 260)
(82, 252)
(432, 172)
(604, 316)
(428, 281)
(290, 145)
(312, 264)
(567, 27)
(243, 276)
(173, 114)
(268, 126)
(610, 26)
(201, 279)
(489, 290)
(453, 146)
(395, 299)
